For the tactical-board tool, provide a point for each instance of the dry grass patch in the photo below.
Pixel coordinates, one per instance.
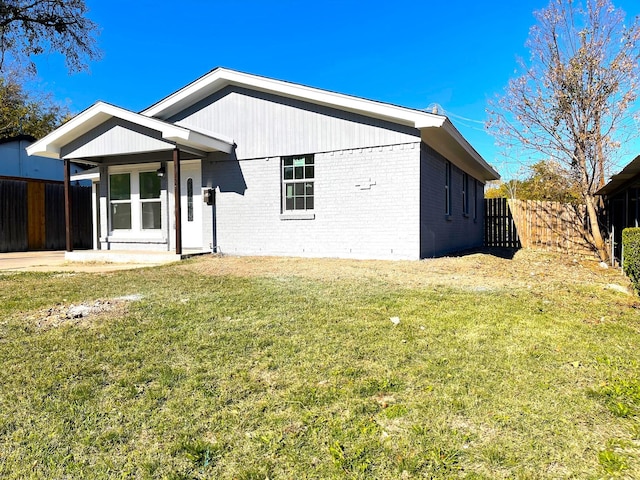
(525, 268)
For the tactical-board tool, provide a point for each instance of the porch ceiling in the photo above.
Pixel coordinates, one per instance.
(106, 130)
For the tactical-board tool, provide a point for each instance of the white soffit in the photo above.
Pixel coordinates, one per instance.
(91, 174)
(50, 146)
(454, 147)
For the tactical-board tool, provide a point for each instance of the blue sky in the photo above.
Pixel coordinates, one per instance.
(457, 54)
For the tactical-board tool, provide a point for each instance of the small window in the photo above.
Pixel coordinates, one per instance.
(475, 199)
(298, 175)
(190, 200)
(120, 200)
(465, 194)
(447, 188)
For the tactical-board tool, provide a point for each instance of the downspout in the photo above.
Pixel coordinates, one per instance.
(214, 222)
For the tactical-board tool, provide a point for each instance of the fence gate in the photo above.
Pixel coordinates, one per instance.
(499, 226)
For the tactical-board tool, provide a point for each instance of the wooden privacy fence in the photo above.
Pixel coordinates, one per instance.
(541, 225)
(499, 226)
(32, 216)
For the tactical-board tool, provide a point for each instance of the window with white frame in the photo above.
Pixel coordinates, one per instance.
(150, 206)
(447, 188)
(135, 202)
(298, 173)
(120, 198)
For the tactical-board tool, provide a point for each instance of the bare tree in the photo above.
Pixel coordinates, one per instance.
(573, 102)
(32, 27)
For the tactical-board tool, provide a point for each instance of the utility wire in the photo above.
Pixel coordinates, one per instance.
(459, 117)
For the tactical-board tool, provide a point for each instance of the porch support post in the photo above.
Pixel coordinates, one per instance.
(67, 204)
(177, 200)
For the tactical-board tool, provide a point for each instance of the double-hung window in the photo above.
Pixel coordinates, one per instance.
(120, 198)
(135, 202)
(298, 174)
(150, 200)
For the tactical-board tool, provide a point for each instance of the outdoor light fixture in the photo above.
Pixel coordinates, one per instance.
(160, 171)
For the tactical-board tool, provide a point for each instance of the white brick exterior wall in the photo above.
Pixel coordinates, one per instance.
(379, 219)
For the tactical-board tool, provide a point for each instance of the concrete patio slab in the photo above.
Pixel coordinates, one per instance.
(49, 261)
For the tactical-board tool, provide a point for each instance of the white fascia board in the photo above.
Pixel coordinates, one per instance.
(98, 113)
(457, 136)
(200, 141)
(195, 91)
(167, 130)
(50, 145)
(221, 77)
(91, 174)
(206, 140)
(210, 142)
(43, 151)
(429, 121)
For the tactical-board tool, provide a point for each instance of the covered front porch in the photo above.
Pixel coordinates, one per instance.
(148, 190)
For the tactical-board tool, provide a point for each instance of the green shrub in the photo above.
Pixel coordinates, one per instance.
(631, 260)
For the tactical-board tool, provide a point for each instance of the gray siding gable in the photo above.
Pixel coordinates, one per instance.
(115, 137)
(263, 124)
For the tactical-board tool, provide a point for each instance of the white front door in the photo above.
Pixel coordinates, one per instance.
(191, 192)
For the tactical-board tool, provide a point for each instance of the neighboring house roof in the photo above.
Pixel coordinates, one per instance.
(619, 180)
(15, 163)
(18, 138)
(97, 114)
(436, 130)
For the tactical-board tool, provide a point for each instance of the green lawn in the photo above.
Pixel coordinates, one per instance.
(289, 376)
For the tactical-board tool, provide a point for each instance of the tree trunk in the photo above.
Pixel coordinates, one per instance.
(596, 235)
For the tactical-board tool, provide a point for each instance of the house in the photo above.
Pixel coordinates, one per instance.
(622, 209)
(32, 200)
(268, 167)
(15, 163)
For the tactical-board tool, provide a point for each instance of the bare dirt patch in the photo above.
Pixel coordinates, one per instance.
(477, 270)
(82, 314)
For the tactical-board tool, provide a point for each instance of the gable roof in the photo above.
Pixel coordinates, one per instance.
(436, 130)
(100, 112)
(219, 78)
